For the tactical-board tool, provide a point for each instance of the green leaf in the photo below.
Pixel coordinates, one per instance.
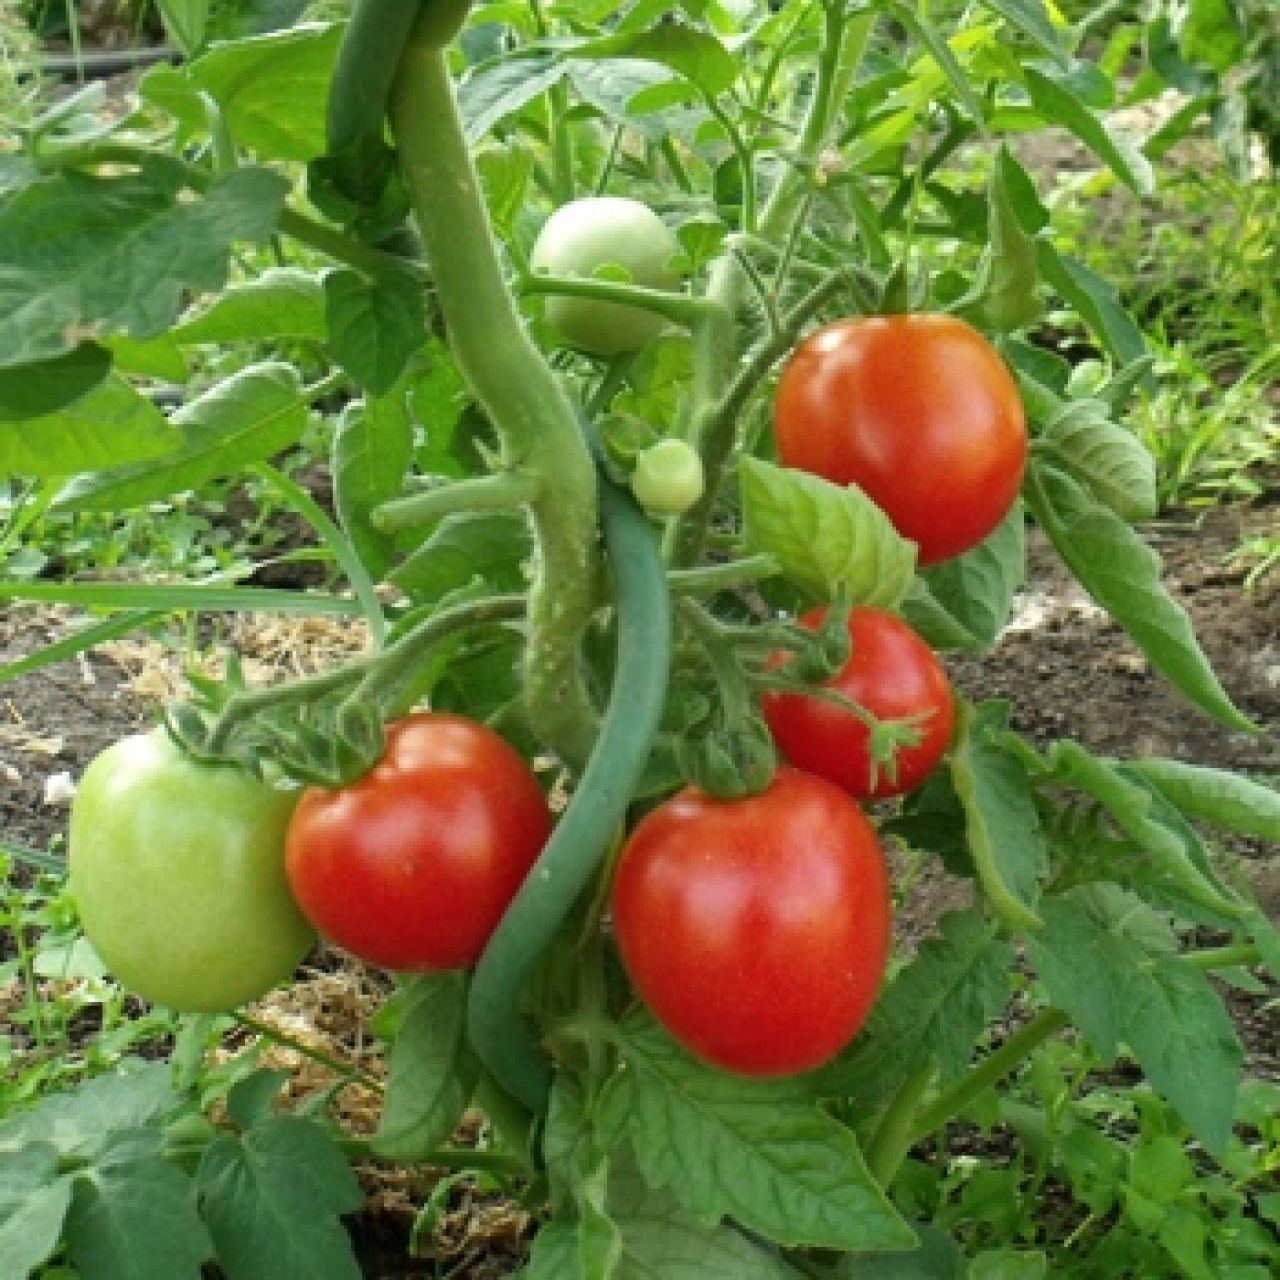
(283, 302)
(135, 1215)
(1032, 20)
(372, 453)
(974, 592)
(760, 1152)
(1122, 574)
(1096, 302)
(32, 390)
(1209, 33)
(33, 1204)
(273, 89)
(1225, 799)
(501, 87)
(1008, 1264)
(661, 1242)
(375, 325)
(1057, 103)
(463, 549)
(80, 1123)
(1137, 809)
(181, 595)
(272, 1201)
(185, 22)
(827, 538)
(695, 55)
(159, 357)
(1004, 294)
(934, 1011)
(432, 1072)
(1111, 462)
(1108, 961)
(251, 416)
(83, 255)
(110, 426)
(1001, 822)
(940, 51)
(937, 1258)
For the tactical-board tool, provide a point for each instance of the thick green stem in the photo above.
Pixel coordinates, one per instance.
(989, 1072)
(499, 1033)
(892, 1138)
(714, 353)
(502, 492)
(679, 308)
(523, 398)
(707, 579)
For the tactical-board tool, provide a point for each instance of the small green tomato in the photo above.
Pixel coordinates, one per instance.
(668, 478)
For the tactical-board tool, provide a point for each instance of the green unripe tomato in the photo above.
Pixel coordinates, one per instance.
(178, 871)
(585, 235)
(668, 478)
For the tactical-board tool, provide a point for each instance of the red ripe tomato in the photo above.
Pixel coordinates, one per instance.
(412, 866)
(756, 930)
(920, 412)
(893, 674)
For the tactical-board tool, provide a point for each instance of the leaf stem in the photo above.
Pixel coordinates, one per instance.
(705, 580)
(892, 1138)
(679, 308)
(352, 1074)
(501, 492)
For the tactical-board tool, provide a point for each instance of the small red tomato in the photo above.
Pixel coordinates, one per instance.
(412, 866)
(756, 930)
(920, 412)
(893, 674)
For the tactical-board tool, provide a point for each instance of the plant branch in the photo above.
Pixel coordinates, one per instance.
(502, 492)
(679, 308)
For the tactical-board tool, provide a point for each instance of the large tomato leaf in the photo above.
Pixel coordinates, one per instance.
(431, 1071)
(251, 416)
(1002, 827)
(111, 426)
(81, 255)
(31, 390)
(1225, 799)
(826, 538)
(1110, 962)
(934, 1011)
(271, 1199)
(135, 1215)
(33, 1204)
(283, 302)
(1122, 574)
(760, 1152)
(964, 603)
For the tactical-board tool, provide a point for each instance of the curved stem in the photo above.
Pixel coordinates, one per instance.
(707, 579)
(499, 1034)
(398, 662)
(501, 492)
(250, 702)
(522, 396)
(892, 1138)
(679, 308)
(992, 1069)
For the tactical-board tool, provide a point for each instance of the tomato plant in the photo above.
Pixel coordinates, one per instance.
(668, 477)
(178, 872)
(412, 865)
(892, 674)
(757, 929)
(920, 412)
(585, 236)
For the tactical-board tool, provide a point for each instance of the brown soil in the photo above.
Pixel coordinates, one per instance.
(1069, 671)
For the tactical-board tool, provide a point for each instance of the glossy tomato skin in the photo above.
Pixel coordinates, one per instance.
(756, 930)
(893, 674)
(583, 236)
(920, 412)
(177, 869)
(412, 866)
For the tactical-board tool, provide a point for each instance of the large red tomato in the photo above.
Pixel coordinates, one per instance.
(893, 674)
(756, 930)
(920, 412)
(412, 866)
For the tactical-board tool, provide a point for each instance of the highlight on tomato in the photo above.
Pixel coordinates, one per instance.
(411, 866)
(920, 412)
(892, 674)
(756, 930)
